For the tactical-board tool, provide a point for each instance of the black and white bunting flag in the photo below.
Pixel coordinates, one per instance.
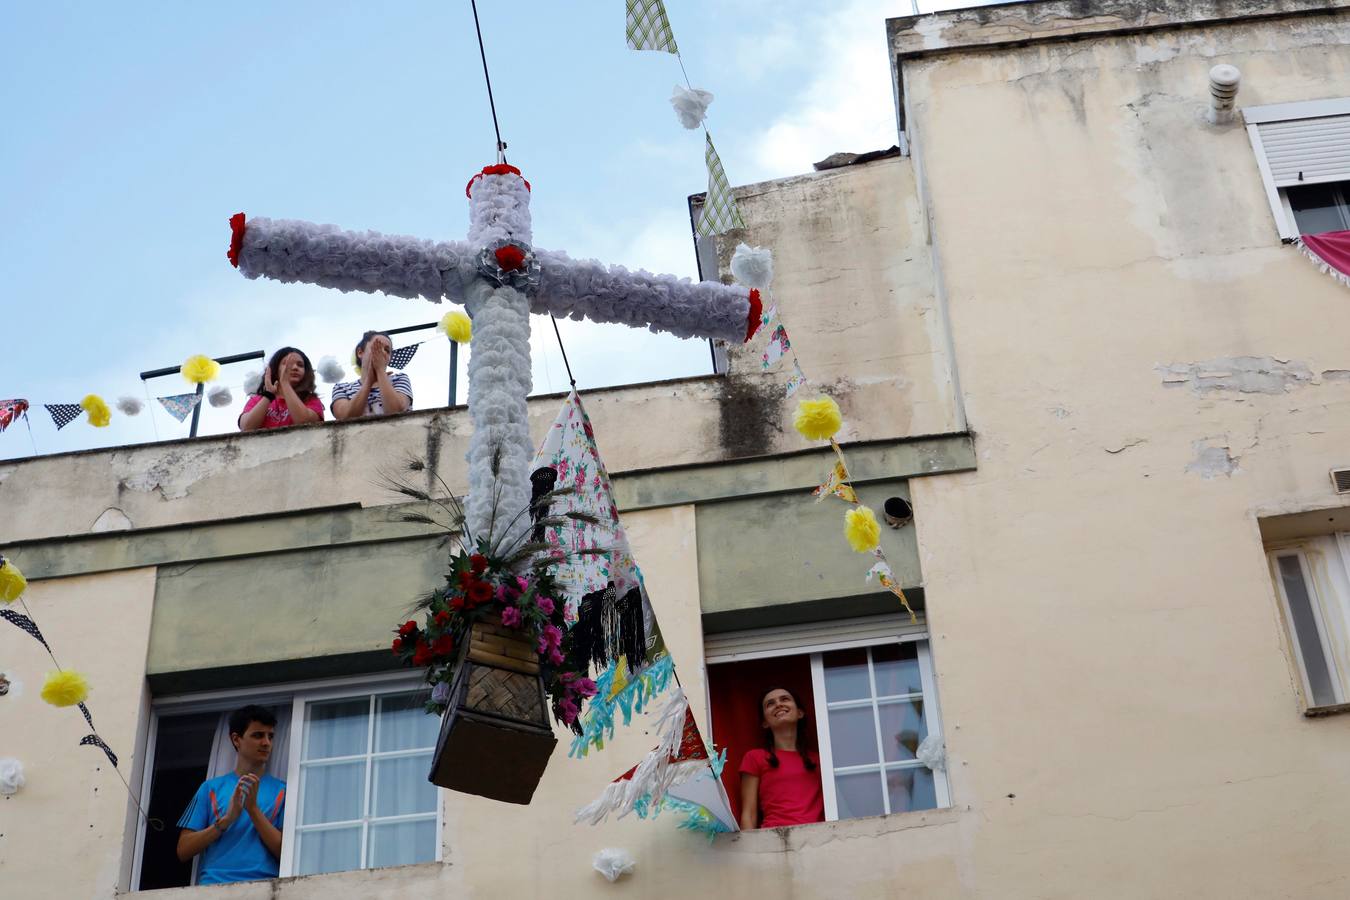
(26, 624)
(402, 356)
(63, 413)
(93, 740)
(87, 717)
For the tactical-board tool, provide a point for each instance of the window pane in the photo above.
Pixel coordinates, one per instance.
(911, 789)
(336, 728)
(334, 850)
(333, 793)
(858, 795)
(1305, 627)
(846, 675)
(902, 729)
(402, 843)
(1316, 208)
(401, 723)
(401, 786)
(897, 669)
(853, 737)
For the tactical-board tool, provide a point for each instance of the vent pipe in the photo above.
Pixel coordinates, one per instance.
(1223, 88)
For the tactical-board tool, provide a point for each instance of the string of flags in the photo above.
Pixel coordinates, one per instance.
(201, 369)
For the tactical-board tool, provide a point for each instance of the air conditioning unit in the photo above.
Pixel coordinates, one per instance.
(1340, 479)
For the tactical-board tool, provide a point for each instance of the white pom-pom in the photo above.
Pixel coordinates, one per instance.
(253, 382)
(691, 105)
(10, 685)
(330, 370)
(612, 862)
(752, 266)
(219, 396)
(932, 753)
(11, 776)
(129, 406)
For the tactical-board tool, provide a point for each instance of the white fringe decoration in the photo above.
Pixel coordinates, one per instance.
(655, 775)
(1322, 265)
(11, 775)
(691, 105)
(129, 406)
(752, 266)
(330, 370)
(613, 862)
(253, 381)
(219, 396)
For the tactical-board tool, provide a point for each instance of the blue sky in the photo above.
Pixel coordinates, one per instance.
(132, 132)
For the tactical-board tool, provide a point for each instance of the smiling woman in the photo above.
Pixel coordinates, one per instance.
(780, 783)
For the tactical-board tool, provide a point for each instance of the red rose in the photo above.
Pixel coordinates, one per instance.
(422, 654)
(407, 628)
(457, 602)
(442, 618)
(510, 258)
(480, 592)
(478, 562)
(443, 645)
(398, 645)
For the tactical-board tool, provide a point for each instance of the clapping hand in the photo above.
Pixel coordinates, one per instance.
(248, 787)
(269, 384)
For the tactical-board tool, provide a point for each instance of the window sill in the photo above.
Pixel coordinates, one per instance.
(796, 837)
(1321, 712)
(272, 888)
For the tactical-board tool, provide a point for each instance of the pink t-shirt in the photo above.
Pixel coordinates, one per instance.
(789, 794)
(278, 413)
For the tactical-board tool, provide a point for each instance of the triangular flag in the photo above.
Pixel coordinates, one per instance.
(93, 740)
(64, 413)
(180, 406)
(11, 411)
(648, 28)
(719, 209)
(402, 356)
(837, 485)
(777, 346)
(796, 379)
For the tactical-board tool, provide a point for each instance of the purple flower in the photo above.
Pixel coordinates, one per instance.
(522, 584)
(555, 656)
(585, 687)
(545, 605)
(511, 617)
(569, 711)
(440, 693)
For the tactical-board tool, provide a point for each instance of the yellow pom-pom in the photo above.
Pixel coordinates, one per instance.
(818, 420)
(65, 688)
(457, 326)
(861, 529)
(200, 369)
(99, 414)
(12, 582)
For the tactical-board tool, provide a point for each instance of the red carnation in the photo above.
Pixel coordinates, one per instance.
(752, 322)
(510, 258)
(465, 579)
(457, 602)
(480, 592)
(443, 645)
(442, 618)
(498, 169)
(478, 562)
(422, 654)
(236, 238)
(407, 628)
(398, 645)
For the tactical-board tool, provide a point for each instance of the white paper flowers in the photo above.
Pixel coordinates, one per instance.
(219, 396)
(932, 753)
(612, 862)
(253, 382)
(691, 105)
(129, 406)
(330, 370)
(752, 266)
(11, 776)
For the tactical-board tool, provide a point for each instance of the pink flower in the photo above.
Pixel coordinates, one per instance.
(555, 656)
(545, 605)
(511, 617)
(585, 687)
(569, 711)
(522, 584)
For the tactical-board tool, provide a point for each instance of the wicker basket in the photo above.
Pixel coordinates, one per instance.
(495, 738)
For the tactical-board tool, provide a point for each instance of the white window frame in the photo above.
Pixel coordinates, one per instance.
(296, 693)
(1255, 116)
(816, 640)
(1329, 596)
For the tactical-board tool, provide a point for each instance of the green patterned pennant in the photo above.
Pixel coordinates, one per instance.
(719, 209)
(648, 28)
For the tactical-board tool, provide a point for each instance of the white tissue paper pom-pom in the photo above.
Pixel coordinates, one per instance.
(253, 382)
(752, 266)
(129, 406)
(932, 753)
(691, 105)
(11, 776)
(612, 862)
(13, 687)
(330, 370)
(219, 396)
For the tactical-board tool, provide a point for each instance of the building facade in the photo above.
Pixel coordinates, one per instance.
(1061, 320)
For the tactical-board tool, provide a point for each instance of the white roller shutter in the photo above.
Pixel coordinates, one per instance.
(1307, 151)
(734, 646)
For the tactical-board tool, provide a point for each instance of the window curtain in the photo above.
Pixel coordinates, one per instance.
(1330, 251)
(222, 750)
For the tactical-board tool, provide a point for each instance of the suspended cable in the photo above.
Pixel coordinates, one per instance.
(501, 145)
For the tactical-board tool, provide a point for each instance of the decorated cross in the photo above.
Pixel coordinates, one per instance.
(500, 278)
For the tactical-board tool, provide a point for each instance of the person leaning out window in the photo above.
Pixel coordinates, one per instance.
(379, 392)
(286, 395)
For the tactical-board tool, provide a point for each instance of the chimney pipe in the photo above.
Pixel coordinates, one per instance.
(1223, 88)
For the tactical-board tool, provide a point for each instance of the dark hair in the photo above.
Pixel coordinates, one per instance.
(241, 718)
(306, 386)
(802, 735)
(365, 339)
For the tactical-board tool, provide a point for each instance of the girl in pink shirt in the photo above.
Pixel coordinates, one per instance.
(780, 784)
(286, 395)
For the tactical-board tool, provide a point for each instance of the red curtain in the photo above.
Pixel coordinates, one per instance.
(1330, 249)
(736, 690)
